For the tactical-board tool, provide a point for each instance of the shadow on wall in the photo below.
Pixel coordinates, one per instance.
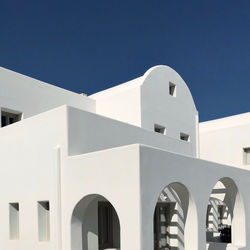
(218, 246)
(225, 221)
(95, 225)
(175, 219)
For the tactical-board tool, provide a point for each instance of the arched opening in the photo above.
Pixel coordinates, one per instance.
(225, 219)
(95, 225)
(175, 220)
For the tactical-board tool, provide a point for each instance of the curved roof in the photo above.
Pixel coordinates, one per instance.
(143, 80)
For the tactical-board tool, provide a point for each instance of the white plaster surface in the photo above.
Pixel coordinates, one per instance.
(75, 151)
(223, 140)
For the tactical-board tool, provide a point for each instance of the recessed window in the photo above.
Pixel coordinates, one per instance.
(172, 89)
(184, 137)
(14, 221)
(246, 156)
(160, 129)
(8, 117)
(43, 221)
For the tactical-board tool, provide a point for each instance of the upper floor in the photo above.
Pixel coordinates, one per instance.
(158, 102)
(156, 109)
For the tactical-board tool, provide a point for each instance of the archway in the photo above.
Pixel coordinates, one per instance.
(175, 220)
(225, 219)
(95, 225)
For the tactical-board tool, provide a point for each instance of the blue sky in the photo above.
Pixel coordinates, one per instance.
(87, 46)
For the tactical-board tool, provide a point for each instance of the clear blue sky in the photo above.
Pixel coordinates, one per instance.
(87, 46)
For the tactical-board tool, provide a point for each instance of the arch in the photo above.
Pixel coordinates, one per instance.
(157, 70)
(95, 224)
(175, 214)
(225, 219)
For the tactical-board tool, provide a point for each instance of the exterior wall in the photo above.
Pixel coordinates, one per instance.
(149, 172)
(159, 169)
(31, 97)
(88, 132)
(70, 153)
(28, 174)
(101, 173)
(223, 140)
(146, 101)
(121, 102)
(177, 113)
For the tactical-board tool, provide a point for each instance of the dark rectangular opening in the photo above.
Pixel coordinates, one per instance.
(172, 89)
(8, 117)
(105, 225)
(184, 137)
(159, 129)
(246, 156)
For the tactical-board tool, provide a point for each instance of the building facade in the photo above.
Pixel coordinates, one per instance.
(128, 168)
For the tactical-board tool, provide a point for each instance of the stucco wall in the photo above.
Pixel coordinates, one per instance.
(105, 173)
(159, 169)
(88, 132)
(149, 172)
(177, 113)
(223, 140)
(30, 96)
(28, 175)
(146, 101)
(121, 102)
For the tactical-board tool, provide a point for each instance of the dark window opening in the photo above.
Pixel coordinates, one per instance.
(184, 137)
(3, 121)
(105, 225)
(246, 156)
(160, 129)
(172, 89)
(8, 118)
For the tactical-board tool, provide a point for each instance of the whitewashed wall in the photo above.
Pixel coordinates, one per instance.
(223, 140)
(146, 101)
(30, 96)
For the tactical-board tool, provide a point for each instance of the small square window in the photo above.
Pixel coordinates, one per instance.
(184, 137)
(246, 156)
(172, 89)
(160, 129)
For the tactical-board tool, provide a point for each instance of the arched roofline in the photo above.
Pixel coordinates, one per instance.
(140, 81)
(150, 71)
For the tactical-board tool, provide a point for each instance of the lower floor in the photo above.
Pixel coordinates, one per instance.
(167, 202)
(132, 198)
(95, 223)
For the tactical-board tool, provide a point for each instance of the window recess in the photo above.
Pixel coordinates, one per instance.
(14, 221)
(184, 137)
(9, 117)
(159, 129)
(172, 89)
(43, 220)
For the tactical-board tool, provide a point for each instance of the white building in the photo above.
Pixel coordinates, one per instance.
(125, 168)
